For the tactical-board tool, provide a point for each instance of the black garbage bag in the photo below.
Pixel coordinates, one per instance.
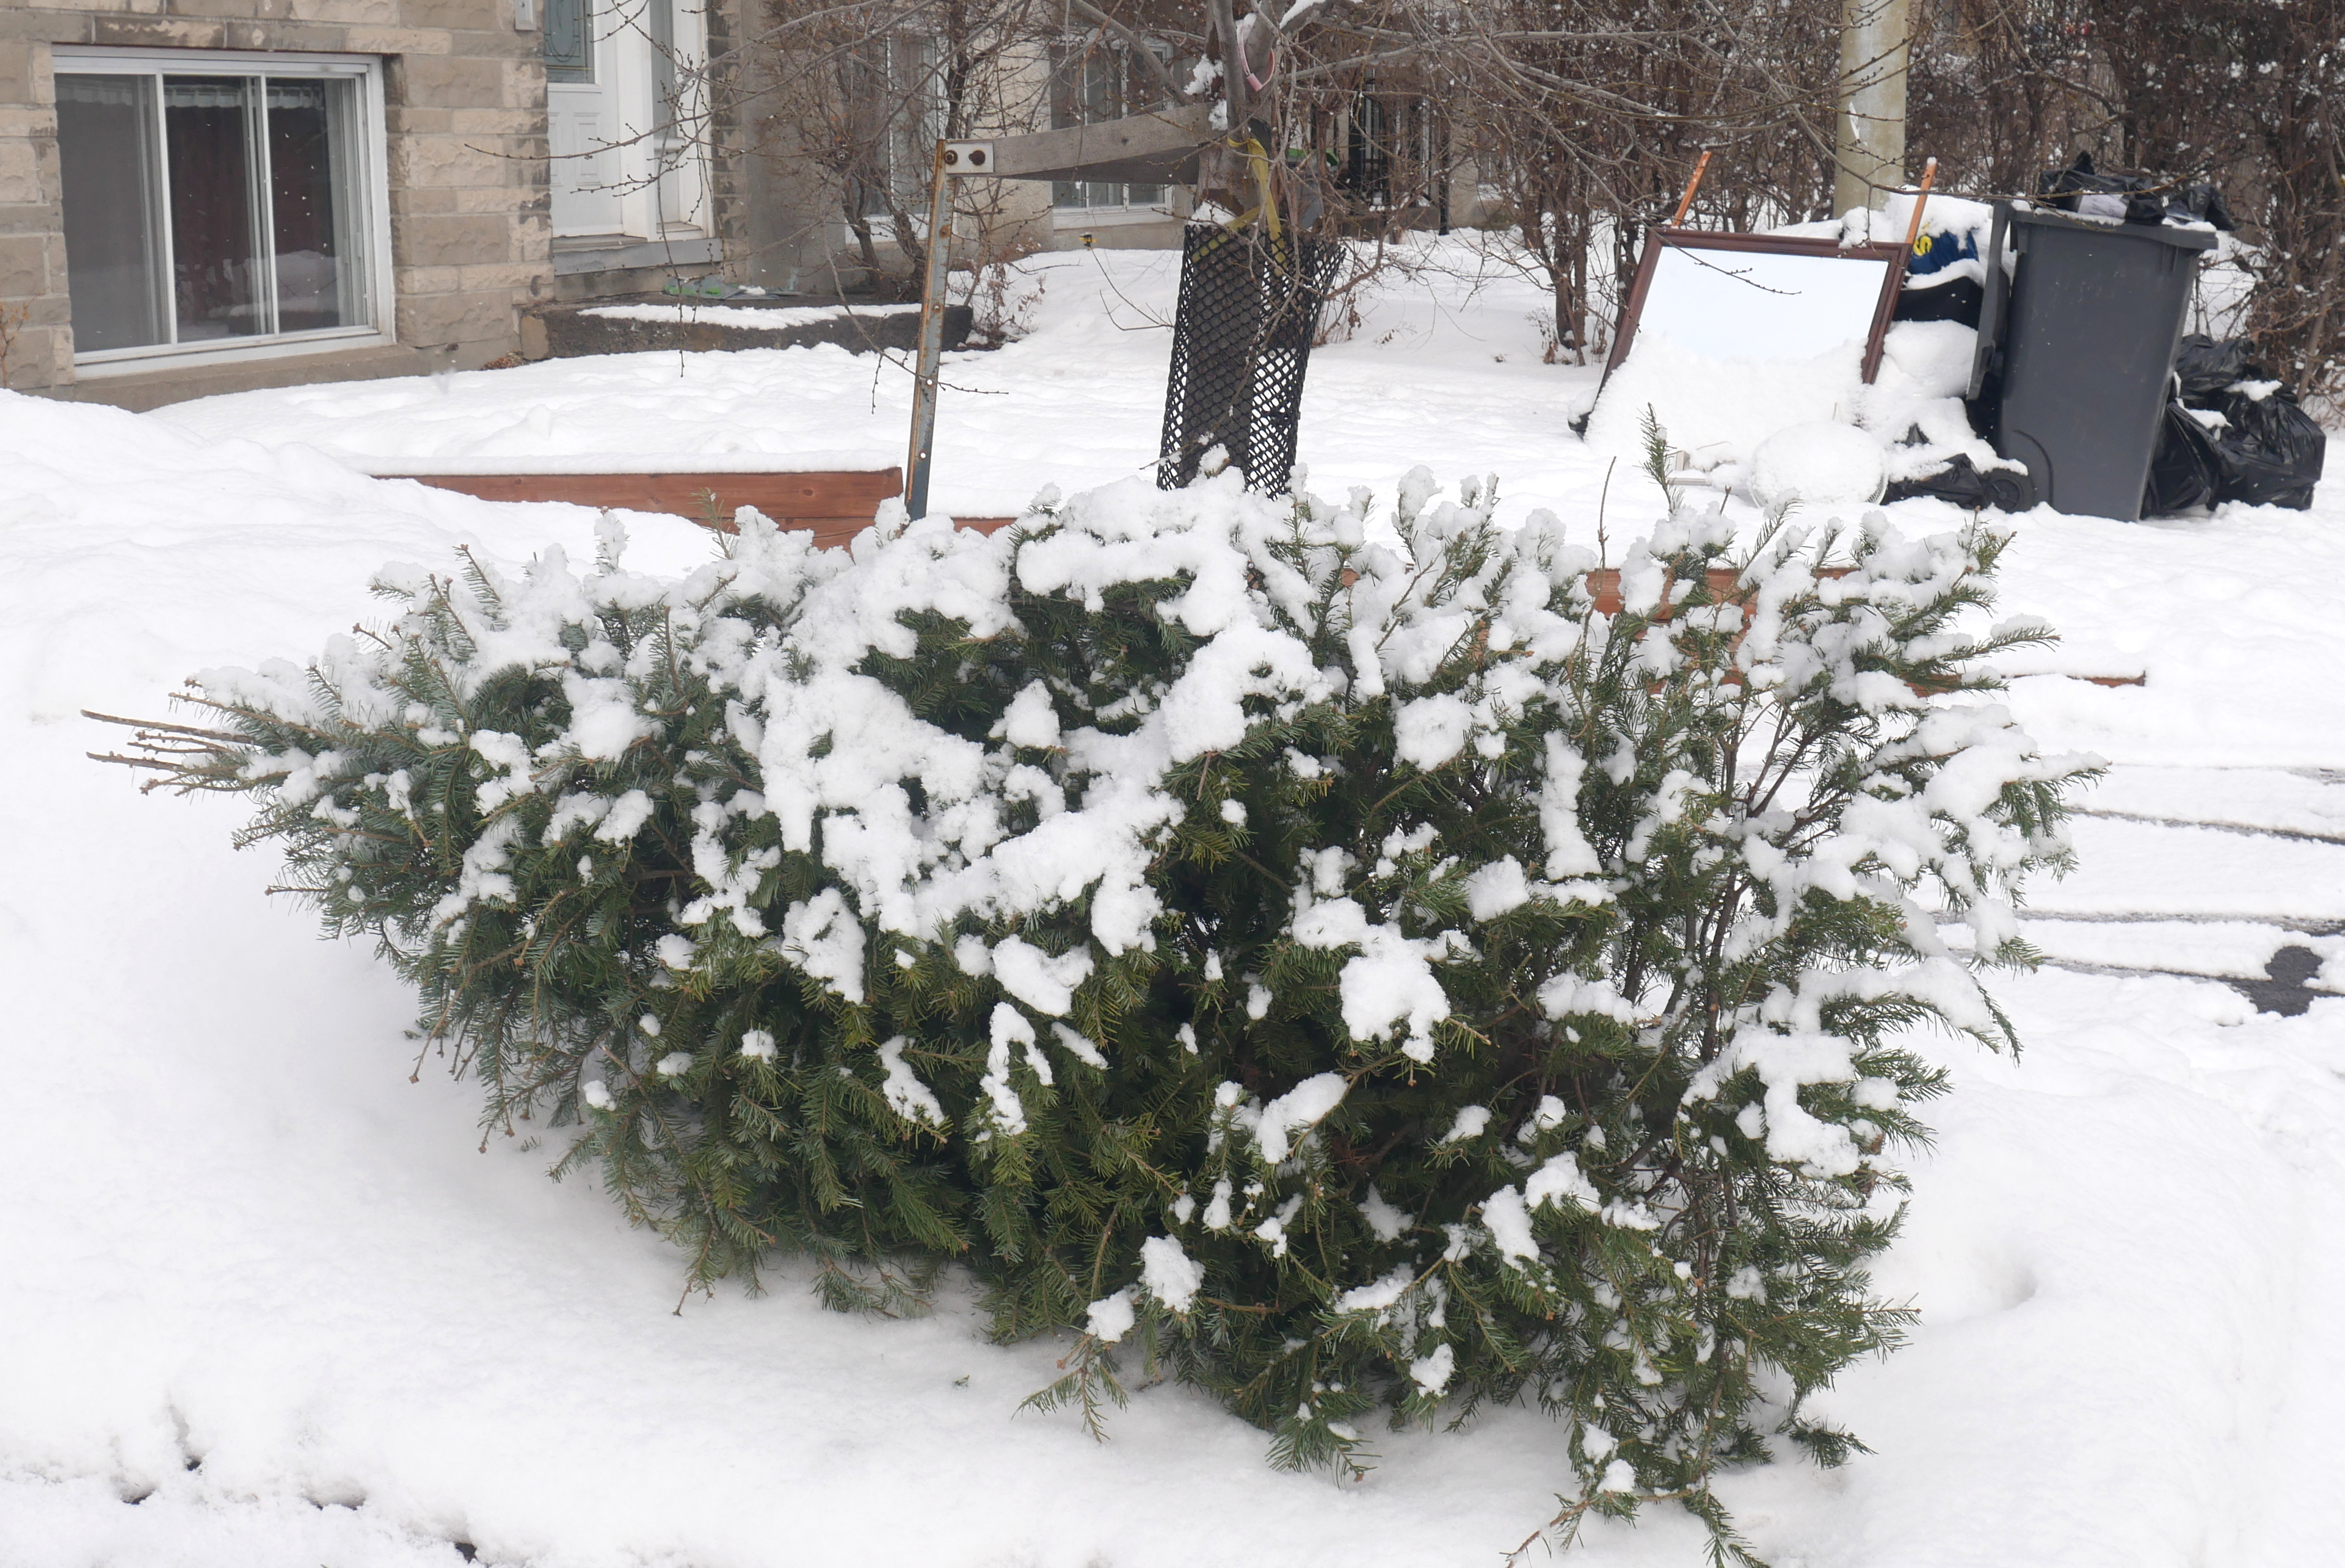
(1960, 481)
(2184, 470)
(2209, 366)
(2125, 196)
(2080, 188)
(2201, 204)
(2272, 452)
(1947, 300)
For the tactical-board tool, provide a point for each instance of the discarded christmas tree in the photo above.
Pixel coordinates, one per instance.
(1354, 977)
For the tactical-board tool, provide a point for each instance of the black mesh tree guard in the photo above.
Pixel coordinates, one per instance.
(1241, 341)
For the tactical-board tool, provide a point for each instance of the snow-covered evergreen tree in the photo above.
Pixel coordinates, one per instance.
(1359, 977)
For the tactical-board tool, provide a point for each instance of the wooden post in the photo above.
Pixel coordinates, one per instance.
(1896, 284)
(1920, 200)
(932, 343)
(1685, 203)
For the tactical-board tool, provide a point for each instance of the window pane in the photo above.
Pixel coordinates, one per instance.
(1103, 97)
(1367, 165)
(208, 138)
(902, 110)
(114, 266)
(912, 69)
(569, 40)
(658, 21)
(1091, 85)
(311, 204)
(1066, 75)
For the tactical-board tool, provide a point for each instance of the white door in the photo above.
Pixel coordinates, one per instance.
(581, 113)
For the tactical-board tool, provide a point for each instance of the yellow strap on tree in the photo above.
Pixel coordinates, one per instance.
(1256, 155)
(1266, 208)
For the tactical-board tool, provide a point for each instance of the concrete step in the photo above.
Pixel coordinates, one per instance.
(663, 323)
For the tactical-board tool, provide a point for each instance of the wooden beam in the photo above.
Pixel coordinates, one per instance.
(1156, 148)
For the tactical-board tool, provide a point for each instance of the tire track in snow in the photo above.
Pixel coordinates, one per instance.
(2218, 826)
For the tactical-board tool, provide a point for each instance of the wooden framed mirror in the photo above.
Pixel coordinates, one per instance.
(1765, 298)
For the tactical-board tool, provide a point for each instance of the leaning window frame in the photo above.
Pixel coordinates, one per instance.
(371, 176)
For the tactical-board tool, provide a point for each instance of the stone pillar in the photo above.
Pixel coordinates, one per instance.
(36, 330)
(470, 234)
(1869, 130)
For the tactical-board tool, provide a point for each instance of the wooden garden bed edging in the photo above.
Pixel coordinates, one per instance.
(834, 503)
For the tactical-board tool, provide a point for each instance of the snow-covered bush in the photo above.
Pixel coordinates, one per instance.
(1356, 977)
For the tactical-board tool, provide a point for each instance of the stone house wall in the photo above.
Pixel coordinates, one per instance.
(465, 109)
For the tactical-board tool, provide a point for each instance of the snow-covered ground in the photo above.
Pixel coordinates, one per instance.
(263, 1304)
(1077, 404)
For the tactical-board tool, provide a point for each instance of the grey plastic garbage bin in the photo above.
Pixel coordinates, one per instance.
(2077, 341)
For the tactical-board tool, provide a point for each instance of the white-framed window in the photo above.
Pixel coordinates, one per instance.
(221, 203)
(1092, 81)
(900, 94)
